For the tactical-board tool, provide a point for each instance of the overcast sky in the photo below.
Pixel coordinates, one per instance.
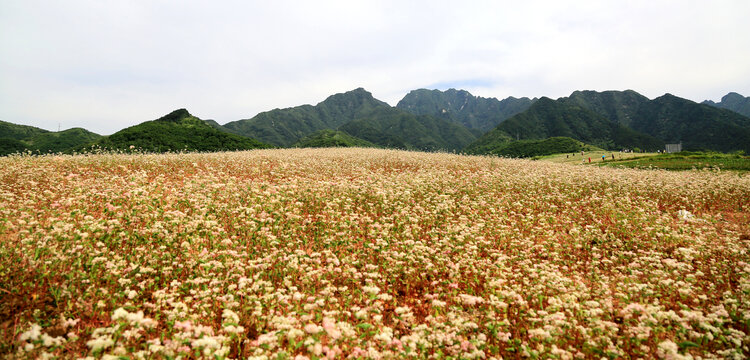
(106, 65)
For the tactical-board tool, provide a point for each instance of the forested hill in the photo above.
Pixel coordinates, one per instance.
(176, 131)
(698, 126)
(284, 127)
(19, 138)
(618, 106)
(559, 118)
(394, 128)
(332, 138)
(358, 114)
(670, 119)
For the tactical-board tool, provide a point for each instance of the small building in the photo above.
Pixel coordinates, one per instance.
(673, 148)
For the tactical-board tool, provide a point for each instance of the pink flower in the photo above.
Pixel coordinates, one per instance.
(397, 343)
(184, 325)
(312, 329)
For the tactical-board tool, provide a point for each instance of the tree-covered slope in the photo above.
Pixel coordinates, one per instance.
(489, 143)
(531, 148)
(733, 101)
(18, 132)
(18, 138)
(392, 127)
(218, 126)
(331, 138)
(672, 119)
(697, 126)
(618, 106)
(62, 141)
(462, 107)
(284, 127)
(554, 118)
(11, 146)
(175, 132)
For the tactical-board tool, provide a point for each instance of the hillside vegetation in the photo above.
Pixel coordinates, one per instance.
(733, 101)
(688, 160)
(620, 107)
(18, 132)
(284, 127)
(557, 118)
(177, 131)
(19, 138)
(532, 148)
(358, 114)
(672, 119)
(698, 127)
(393, 128)
(331, 138)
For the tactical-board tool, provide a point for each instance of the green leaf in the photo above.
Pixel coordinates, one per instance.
(687, 344)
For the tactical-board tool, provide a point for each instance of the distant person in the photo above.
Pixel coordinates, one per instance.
(589, 159)
(604, 157)
(613, 156)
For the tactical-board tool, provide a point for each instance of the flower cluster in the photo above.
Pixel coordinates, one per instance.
(363, 253)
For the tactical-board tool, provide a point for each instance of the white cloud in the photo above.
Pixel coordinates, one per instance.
(108, 65)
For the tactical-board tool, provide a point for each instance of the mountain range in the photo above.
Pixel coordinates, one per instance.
(431, 120)
(733, 101)
(360, 115)
(459, 106)
(548, 118)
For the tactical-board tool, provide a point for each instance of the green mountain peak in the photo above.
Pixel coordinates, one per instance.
(175, 116)
(177, 131)
(732, 101)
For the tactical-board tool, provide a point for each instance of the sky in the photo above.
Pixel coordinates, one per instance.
(106, 65)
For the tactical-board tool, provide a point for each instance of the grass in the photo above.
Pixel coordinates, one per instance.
(688, 161)
(677, 161)
(596, 157)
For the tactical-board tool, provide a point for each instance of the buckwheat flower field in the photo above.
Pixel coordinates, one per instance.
(334, 254)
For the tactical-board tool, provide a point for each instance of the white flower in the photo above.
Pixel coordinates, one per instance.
(470, 300)
(294, 333)
(100, 343)
(230, 316)
(372, 290)
(667, 350)
(32, 334)
(133, 318)
(438, 303)
(539, 334)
